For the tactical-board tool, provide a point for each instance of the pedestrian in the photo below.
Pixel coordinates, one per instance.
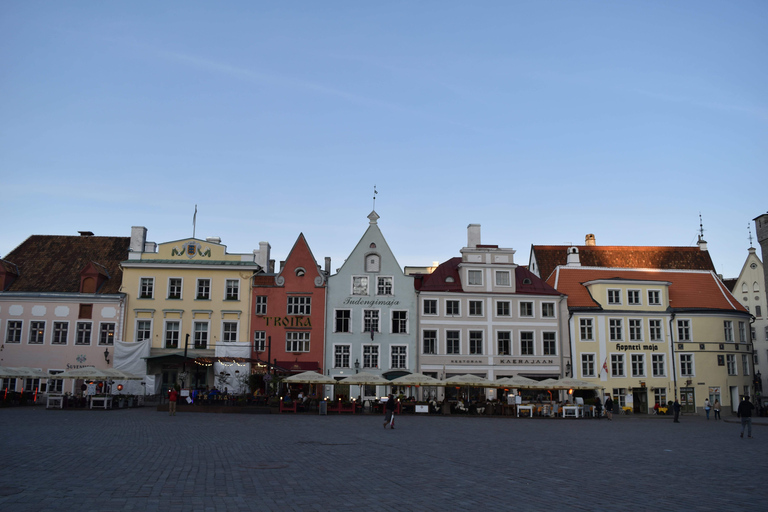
(389, 411)
(173, 397)
(716, 407)
(676, 408)
(598, 408)
(706, 406)
(609, 407)
(745, 413)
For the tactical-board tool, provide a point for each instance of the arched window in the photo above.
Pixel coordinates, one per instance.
(744, 288)
(755, 287)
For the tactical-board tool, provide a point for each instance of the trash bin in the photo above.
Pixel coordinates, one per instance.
(323, 407)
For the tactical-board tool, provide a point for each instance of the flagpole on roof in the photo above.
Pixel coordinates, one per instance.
(374, 197)
(194, 221)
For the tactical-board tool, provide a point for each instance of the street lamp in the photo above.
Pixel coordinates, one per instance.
(568, 369)
(106, 355)
(357, 365)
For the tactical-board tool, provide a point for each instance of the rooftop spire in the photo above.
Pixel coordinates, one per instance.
(749, 228)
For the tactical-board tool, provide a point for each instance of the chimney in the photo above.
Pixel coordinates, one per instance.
(589, 240)
(573, 257)
(282, 265)
(86, 233)
(473, 235)
(213, 239)
(702, 244)
(261, 257)
(138, 238)
(327, 265)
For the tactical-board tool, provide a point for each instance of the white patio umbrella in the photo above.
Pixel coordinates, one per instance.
(363, 378)
(309, 378)
(22, 372)
(89, 372)
(547, 384)
(570, 383)
(469, 380)
(416, 379)
(517, 382)
(122, 375)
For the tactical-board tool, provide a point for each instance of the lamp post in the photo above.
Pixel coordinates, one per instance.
(357, 365)
(568, 369)
(106, 355)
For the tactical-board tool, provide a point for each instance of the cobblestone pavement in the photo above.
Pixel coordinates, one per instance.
(141, 459)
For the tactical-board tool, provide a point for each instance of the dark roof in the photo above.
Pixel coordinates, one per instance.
(548, 257)
(730, 283)
(525, 281)
(52, 263)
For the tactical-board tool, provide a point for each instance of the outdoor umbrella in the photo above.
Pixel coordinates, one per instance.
(469, 380)
(569, 383)
(22, 373)
(309, 378)
(116, 374)
(548, 384)
(365, 378)
(89, 372)
(517, 382)
(416, 379)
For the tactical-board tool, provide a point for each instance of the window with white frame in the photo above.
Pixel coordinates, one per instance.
(728, 330)
(585, 329)
(370, 356)
(744, 364)
(526, 343)
(504, 343)
(654, 298)
(654, 330)
(143, 330)
(360, 285)
(658, 365)
(730, 362)
(502, 278)
(341, 356)
(172, 333)
(526, 309)
(615, 329)
(452, 342)
(638, 365)
(686, 365)
(384, 285)
(260, 341)
(203, 289)
(633, 297)
(299, 305)
(399, 322)
(475, 308)
(617, 365)
(232, 287)
(587, 365)
(399, 356)
(549, 341)
(146, 287)
(55, 385)
(660, 396)
(502, 308)
(36, 332)
(635, 329)
(261, 305)
(200, 330)
(621, 397)
(429, 341)
(107, 333)
(342, 320)
(683, 330)
(83, 336)
(475, 277)
(475, 342)
(614, 297)
(452, 308)
(229, 332)
(548, 310)
(429, 306)
(60, 333)
(297, 341)
(13, 331)
(174, 288)
(742, 332)
(370, 320)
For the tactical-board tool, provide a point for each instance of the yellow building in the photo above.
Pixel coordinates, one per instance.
(188, 303)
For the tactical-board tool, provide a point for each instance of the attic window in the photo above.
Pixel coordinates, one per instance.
(300, 272)
(372, 246)
(527, 280)
(449, 279)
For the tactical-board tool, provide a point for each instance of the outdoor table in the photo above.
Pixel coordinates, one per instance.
(105, 402)
(55, 402)
(568, 409)
(528, 408)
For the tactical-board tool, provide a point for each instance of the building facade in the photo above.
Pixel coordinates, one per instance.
(288, 316)
(61, 306)
(188, 305)
(371, 315)
(484, 315)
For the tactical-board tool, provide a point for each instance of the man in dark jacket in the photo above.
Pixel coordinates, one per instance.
(389, 411)
(745, 413)
(676, 409)
(609, 407)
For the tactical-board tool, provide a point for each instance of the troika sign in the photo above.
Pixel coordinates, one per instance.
(288, 321)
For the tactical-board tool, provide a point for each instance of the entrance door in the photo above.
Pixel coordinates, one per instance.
(169, 379)
(687, 400)
(640, 396)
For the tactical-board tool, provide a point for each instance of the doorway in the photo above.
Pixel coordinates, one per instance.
(687, 401)
(640, 400)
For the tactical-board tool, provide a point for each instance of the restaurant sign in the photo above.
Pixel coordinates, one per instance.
(637, 346)
(526, 361)
(289, 321)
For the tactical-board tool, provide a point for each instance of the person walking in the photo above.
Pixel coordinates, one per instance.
(609, 407)
(716, 407)
(389, 411)
(707, 406)
(745, 413)
(173, 397)
(676, 408)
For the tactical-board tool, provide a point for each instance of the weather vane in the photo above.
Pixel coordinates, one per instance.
(749, 228)
(374, 197)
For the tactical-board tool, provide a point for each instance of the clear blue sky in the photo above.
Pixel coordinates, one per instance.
(541, 121)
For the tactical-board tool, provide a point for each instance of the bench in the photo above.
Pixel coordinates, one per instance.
(284, 407)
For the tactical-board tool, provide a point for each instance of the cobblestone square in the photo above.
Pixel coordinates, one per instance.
(141, 459)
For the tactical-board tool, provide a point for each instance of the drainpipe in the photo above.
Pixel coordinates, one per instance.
(672, 345)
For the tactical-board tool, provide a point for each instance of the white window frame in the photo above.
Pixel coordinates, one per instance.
(172, 287)
(590, 327)
(508, 305)
(551, 306)
(544, 342)
(655, 332)
(432, 339)
(297, 341)
(658, 361)
(614, 296)
(447, 309)
(374, 350)
(232, 285)
(616, 329)
(403, 326)
(472, 275)
(385, 285)
(225, 334)
(203, 284)
(260, 306)
(337, 319)
(509, 341)
(533, 343)
(618, 365)
(136, 329)
(89, 331)
(501, 274)
(339, 355)
(475, 304)
(375, 315)
(55, 330)
(299, 305)
(433, 302)
(530, 310)
(18, 331)
(260, 341)
(684, 324)
(36, 338)
(634, 297)
(402, 358)
(690, 361)
(207, 331)
(635, 329)
(730, 364)
(457, 341)
(146, 284)
(654, 297)
(360, 286)
(167, 331)
(637, 363)
(109, 341)
(728, 331)
(588, 368)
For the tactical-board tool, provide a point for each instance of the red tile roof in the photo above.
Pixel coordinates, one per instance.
(52, 263)
(548, 257)
(689, 289)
